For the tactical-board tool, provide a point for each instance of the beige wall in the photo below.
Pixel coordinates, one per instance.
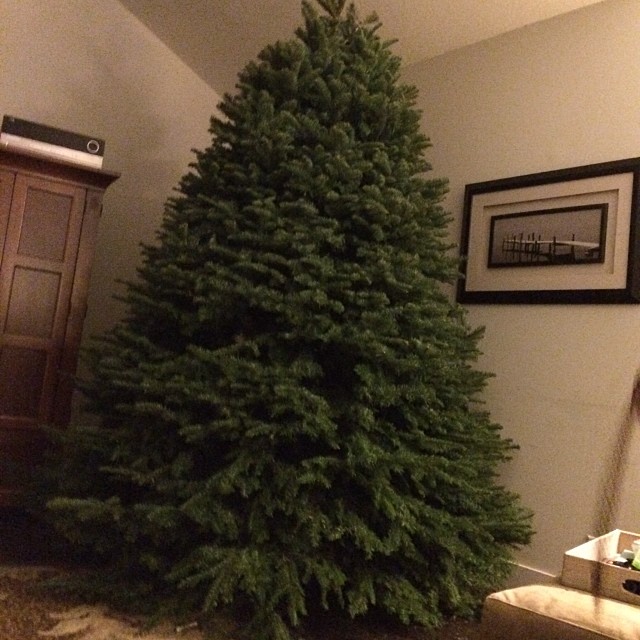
(90, 66)
(562, 93)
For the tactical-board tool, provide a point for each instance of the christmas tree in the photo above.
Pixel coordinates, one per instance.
(288, 413)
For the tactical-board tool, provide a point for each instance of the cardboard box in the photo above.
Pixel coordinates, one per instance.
(585, 567)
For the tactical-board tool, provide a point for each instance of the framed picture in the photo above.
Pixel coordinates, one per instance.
(565, 236)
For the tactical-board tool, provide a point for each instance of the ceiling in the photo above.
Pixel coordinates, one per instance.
(216, 38)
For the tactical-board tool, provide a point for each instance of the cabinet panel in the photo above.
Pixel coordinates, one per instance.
(45, 222)
(22, 376)
(21, 449)
(33, 300)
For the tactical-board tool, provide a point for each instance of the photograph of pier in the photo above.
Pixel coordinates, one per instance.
(566, 236)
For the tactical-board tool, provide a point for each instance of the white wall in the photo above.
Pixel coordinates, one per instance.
(91, 67)
(561, 93)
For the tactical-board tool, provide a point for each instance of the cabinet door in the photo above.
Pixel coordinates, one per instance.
(36, 278)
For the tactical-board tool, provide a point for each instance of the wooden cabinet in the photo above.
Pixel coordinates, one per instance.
(49, 213)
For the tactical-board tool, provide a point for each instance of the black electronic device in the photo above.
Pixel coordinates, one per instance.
(17, 133)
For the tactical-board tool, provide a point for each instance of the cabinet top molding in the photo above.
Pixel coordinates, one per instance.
(39, 163)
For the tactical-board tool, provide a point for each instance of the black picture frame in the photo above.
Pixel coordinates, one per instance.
(597, 262)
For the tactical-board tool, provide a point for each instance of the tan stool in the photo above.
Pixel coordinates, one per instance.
(553, 612)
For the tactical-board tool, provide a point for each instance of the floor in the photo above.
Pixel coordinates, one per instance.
(25, 543)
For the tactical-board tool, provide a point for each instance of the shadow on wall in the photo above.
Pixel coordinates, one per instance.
(148, 140)
(149, 143)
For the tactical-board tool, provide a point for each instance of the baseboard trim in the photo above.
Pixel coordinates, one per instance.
(523, 575)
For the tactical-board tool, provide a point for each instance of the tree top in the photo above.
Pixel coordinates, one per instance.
(333, 7)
